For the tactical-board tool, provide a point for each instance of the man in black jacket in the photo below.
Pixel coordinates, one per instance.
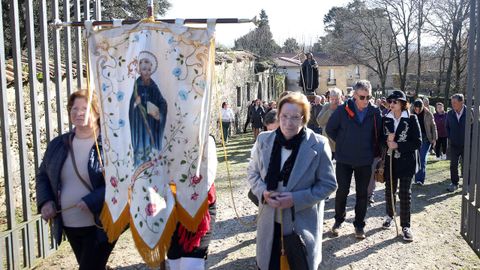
(456, 119)
(355, 127)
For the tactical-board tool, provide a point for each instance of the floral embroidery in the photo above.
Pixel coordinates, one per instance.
(114, 181)
(150, 209)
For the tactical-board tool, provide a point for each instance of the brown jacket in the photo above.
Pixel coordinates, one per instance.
(430, 126)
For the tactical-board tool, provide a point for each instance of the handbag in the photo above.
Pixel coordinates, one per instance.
(252, 197)
(379, 172)
(295, 248)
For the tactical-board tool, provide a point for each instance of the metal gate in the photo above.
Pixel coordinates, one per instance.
(39, 67)
(470, 225)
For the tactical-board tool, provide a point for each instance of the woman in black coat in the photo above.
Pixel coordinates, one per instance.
(257, 118)
(403, 138)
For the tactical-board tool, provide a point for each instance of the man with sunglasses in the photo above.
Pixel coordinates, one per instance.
(355, 127)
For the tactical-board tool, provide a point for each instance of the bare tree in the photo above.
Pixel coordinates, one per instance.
(363, 35)
(402, 18)
(448, 20)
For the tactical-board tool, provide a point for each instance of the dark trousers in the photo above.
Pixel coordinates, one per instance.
(276, 248)
(344, 178)
(225, 127)
(405, 196)
(441, 146)
(455, 153)
(91, 254)
(246, 124)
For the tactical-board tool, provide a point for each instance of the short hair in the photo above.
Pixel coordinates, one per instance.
(362, 85)
(298, 99)
(335, 92)
(459, 97)
(270, 117)
(224, 104)
(284, 93)
(439, 103)
(83, 93)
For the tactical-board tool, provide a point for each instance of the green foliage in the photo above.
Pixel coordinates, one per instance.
(290, 45)
(260, 40)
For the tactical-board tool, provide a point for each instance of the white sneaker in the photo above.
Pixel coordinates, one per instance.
(444, 156)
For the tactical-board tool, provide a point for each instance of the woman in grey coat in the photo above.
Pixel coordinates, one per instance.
(290, 170)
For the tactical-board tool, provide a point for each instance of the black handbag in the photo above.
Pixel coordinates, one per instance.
(252, 197)
(296, 249)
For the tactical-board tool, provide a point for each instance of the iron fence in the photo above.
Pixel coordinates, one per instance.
(39, 68)
(470, 223)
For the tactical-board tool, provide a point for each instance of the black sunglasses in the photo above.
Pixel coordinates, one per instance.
(394, 101)
(364, 97)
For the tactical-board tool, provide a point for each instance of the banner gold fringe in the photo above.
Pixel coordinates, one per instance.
(156, 256)
(114, 229)
(189, 222)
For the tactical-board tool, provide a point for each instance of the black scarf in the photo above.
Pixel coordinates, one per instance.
(274, 175)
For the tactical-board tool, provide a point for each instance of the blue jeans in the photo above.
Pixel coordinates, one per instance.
(424, 149)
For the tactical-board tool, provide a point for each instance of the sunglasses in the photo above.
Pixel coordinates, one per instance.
(394, 101)
(364, 97)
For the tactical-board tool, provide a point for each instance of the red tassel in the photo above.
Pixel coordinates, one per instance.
(190, 240)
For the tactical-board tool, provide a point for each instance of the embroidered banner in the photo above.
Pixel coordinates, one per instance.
(153, 80)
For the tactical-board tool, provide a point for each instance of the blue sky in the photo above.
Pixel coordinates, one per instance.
(302, 19)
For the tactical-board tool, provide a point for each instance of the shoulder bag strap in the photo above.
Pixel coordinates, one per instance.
(72, 154)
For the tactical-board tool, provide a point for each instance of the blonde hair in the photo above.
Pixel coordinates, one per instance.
(298, 99)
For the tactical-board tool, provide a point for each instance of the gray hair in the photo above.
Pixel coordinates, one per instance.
(362, 85)
(335, 92)
(459, 97)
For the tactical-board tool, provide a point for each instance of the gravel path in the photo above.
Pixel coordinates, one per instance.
(435, 224)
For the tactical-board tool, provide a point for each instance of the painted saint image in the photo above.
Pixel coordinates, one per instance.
(147, 111)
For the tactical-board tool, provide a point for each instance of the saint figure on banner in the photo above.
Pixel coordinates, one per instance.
(147, 111)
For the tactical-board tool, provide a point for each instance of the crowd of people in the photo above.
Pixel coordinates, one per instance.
(303, 152)
(292, 171)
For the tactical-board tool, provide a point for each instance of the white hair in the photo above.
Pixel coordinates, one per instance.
(335, 92)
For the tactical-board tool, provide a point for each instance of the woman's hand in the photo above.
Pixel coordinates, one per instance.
(271, 198)
(285, 199)
(82, 206)
(392, 145)
(48, 210)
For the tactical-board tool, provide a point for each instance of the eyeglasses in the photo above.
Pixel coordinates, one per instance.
(293, 119)
(394, 101)
(364, 97)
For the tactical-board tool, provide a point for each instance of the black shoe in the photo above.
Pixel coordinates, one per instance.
(387, 223)
(452, 187)
(407, 234)
(359, 233)
(336, 228)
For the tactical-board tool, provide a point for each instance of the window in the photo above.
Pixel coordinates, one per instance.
(357, 70)
(331, 77)
(239, 96)
(331, 74)
(248, 92)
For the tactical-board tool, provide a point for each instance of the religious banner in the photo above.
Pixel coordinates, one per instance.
(154, 83)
